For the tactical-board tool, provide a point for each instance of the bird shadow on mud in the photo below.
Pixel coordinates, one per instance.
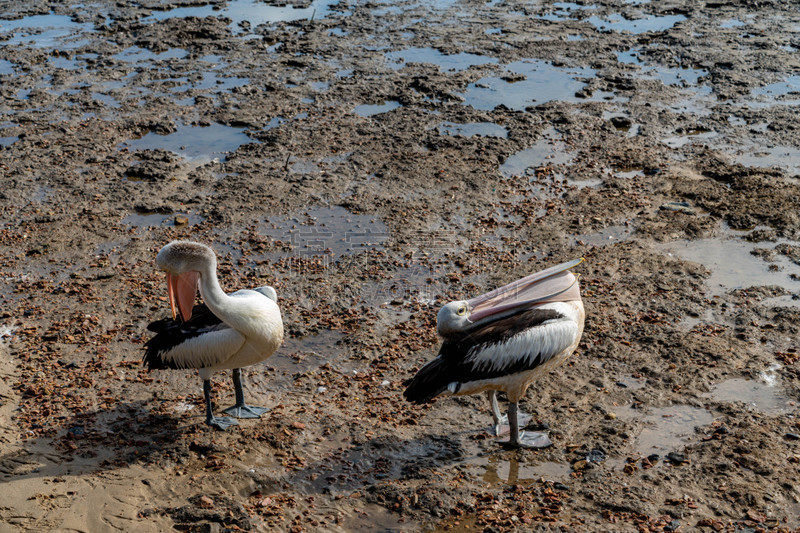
(98, 440)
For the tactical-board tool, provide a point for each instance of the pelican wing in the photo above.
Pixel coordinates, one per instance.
(201, 342)
(510, 345)
(515, 344)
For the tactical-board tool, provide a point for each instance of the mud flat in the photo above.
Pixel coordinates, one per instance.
(373, 160)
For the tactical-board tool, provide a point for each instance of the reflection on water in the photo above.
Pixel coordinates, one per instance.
(507, 469)
(548, 150)
(451, 62)
(134, 54)
(199, 144)
(733, 266)
(649, 23)
(368, 110)
(666, 429)
(764, 395)
(473, 129)
(786, 157)
(252, 11)
(527, 82)
(44, 31)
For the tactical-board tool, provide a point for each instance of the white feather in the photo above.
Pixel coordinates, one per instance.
(543, 342)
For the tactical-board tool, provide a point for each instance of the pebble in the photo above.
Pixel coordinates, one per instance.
(596, 456)
(180, 220)
(580, 465)
(676, 458)
(681, 207)
(205, 502)
(792, 436)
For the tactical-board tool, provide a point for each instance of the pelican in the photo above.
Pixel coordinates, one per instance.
(502, 341)
(228, 331)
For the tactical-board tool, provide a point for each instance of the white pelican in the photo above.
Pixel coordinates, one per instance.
(227, 331)
(502, 341)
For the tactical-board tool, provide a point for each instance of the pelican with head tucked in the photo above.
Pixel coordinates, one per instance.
(502, 341)
(228, 331)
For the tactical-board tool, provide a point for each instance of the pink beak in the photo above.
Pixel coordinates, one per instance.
(182, 291)
(555, 284)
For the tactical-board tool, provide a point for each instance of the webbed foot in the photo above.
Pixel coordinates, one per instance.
(245, 411)
(528, 440)
(221, 422)
(502, 427)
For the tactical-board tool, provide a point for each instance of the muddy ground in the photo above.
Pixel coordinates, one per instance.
(372, 161)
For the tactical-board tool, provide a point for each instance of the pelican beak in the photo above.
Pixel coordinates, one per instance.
(182, 291)
(555, 284)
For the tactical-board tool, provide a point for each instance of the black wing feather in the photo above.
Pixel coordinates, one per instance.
(170, 333)
(450, 366)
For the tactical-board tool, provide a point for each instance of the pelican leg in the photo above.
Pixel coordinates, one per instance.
(241, 409)
(501, 426)
(219, 422)
(520, 439)
(496, 416)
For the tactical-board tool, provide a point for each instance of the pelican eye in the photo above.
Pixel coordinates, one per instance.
(462, 311)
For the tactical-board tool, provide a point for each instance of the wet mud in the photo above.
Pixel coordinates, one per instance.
(372, 161)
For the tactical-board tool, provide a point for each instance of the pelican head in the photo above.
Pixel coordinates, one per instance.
(184, 262)
(555, 284)
(453, 319)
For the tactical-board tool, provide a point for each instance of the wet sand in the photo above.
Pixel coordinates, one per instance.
(373, 161)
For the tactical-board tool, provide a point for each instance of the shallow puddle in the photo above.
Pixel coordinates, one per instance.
(499, 469)
(451, 63)
(788, 300)
(565, 11)
(628, 173)
(680, 141)
(666, 429)
(252, 11)
(646, 24)
(606, 236)
(527, 82)
(368, 110)
(547, 151)
(732, 264)
(6, 67)
(781, 88)
(43, 31)
(106, 100)
(134, 54)
(473, 129)
(199, 144)
(210, 80)
(6, 141)
(765, 395)
(785, 157)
